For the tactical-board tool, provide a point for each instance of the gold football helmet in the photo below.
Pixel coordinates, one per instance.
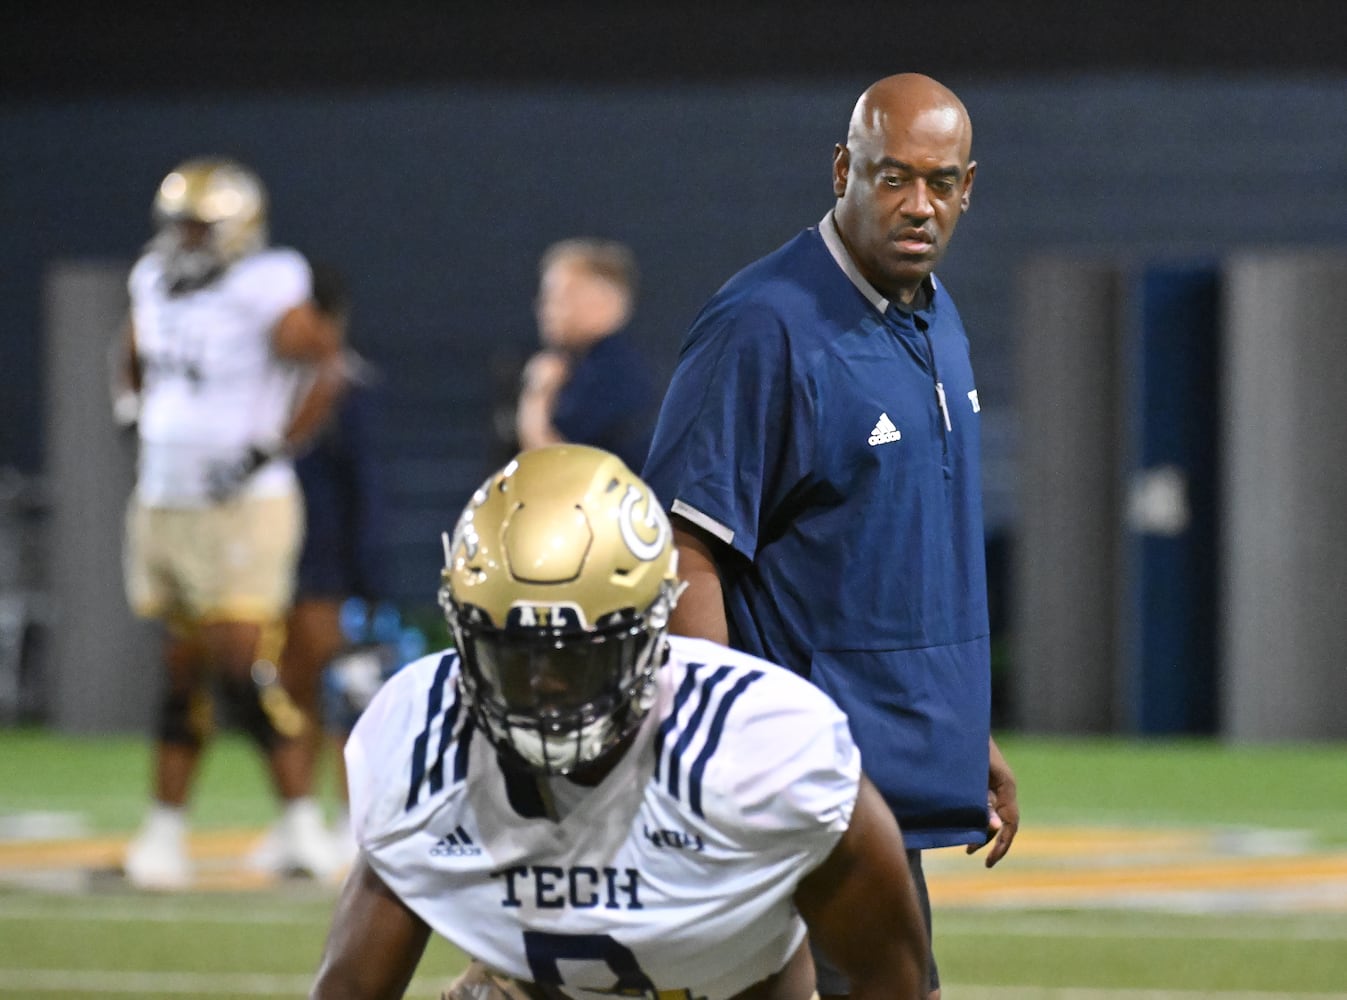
(208, 213)
(558, 585)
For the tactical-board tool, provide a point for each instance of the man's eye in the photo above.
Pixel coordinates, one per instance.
(892, 180)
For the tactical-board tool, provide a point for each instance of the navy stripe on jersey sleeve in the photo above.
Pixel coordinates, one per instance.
(446, 732)
(461, 754)
(435, 711)
(686, 736)
(684, 727)
(685, 689)
(713, 740)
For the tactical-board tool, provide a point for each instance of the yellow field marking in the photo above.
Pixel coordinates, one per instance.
(221, 857)
(1111, 865)
(1102, 864)
(1033, 885)
(1063, 842)
(106, 852)
(1055, 842)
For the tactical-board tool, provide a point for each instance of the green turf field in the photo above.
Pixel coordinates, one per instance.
(87, 936)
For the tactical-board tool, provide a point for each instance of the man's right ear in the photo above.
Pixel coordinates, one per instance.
(841, 169)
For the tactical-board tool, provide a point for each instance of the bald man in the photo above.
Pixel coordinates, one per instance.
(818, 451)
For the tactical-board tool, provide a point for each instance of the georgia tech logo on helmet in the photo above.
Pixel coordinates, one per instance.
(633, 527)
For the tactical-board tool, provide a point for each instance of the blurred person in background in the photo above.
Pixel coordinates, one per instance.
(589, 384)
(226, 369)
(819, 453)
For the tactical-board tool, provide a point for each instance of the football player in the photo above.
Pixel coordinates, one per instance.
(225, 369)
(585, 804)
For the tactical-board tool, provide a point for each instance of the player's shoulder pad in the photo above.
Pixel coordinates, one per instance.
(279, 274)
(144, 273)
(753, 748)
(382, 748)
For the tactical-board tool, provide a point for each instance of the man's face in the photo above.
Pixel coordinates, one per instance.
(192, 233)
(191, 257)
(575, 306)
(901, 187)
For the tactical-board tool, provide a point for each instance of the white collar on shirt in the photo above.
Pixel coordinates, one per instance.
(827, 227)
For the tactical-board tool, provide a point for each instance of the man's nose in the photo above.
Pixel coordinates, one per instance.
(918, 203)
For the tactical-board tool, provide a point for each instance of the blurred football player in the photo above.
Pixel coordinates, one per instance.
(583, 803)
(225, 369)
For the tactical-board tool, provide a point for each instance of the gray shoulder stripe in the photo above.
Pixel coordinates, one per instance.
(703, 521)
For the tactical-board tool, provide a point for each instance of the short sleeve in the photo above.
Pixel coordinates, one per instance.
(795, 771)
(277, 280)
(719, 441)
(366, 754)
(379, 751)
(139, 277)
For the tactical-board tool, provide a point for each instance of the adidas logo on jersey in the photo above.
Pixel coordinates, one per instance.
(884, 431)
(455, 845)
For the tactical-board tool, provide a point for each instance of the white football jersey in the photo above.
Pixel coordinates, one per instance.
(675, 873)
(211, 385)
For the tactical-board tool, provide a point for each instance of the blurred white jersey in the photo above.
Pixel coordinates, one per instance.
(211, 385)
(674, 874)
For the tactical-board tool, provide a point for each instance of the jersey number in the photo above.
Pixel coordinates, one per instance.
(546, 952)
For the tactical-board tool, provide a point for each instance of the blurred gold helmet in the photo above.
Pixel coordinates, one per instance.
(224, 202)
(558, 584)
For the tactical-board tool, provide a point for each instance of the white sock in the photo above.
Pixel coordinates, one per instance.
(304, 808)
(164, 816)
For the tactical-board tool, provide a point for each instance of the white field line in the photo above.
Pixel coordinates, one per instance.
(1295, 928)
(178, 984)
(132, 912)
(146, 983)
(175, 983)
(211, 984)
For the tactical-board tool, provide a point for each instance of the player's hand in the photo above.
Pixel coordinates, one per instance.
(1003, 809)
(545, 371)
(225, 479)
(126, 409)
(477, 982)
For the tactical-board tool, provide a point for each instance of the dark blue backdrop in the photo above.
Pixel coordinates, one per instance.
(437, 201)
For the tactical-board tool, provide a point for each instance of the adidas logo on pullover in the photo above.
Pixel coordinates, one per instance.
(884, 431)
